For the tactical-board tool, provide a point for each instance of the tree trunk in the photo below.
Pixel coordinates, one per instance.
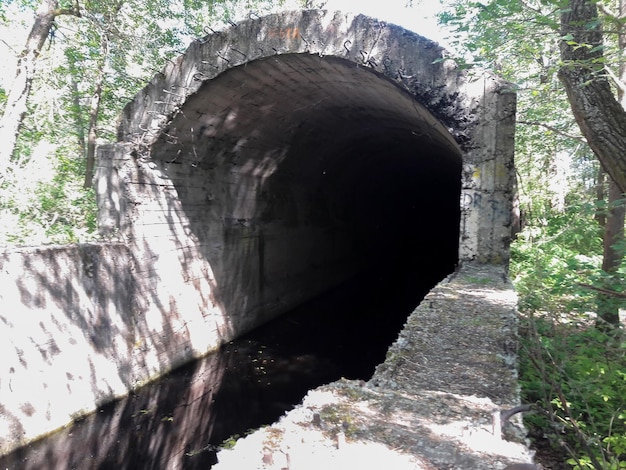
(92, 134)
(16, 105)
(77, 112)
(600, 214)
(94, 108)
(94, 111)
(613, 254)
(600, 116)
(608, 306)
(614, 233)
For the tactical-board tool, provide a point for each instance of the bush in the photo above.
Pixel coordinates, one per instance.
(577, 376)
(574, 371)
(44, 202)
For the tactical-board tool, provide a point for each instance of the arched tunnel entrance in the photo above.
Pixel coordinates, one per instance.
(297, 172)
(301, 183)
(288, 154)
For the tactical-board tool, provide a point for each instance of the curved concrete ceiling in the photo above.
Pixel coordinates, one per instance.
(269, 102)
(319, 141)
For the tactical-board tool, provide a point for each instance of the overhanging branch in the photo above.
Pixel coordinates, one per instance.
(612, 293)
(556, 130)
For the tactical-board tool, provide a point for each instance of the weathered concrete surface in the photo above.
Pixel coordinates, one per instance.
(67, 328)
(77, 332)
(75, 335)
(271, 161)
(278, 158)
(430, 405)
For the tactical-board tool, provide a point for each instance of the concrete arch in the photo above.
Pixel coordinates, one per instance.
(282, 156)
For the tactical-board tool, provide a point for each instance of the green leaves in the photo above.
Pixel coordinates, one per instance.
(124, 43)
(574, 370)
(587, 368)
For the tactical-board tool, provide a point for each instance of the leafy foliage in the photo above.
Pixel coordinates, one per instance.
(550, 261)
(118, 43)
(573, 371)
(577, 375)
(56, 209)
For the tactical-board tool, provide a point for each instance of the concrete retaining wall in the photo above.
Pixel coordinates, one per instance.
(82, 324)
(68, 331)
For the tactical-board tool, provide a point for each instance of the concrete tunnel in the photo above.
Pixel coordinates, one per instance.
(269, 163)
(322, 166)
(287, 154)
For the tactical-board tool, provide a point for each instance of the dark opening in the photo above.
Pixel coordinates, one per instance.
(299, 172)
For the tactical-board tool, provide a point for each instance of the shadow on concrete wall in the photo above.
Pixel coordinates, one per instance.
(294, 185)
(77, 334)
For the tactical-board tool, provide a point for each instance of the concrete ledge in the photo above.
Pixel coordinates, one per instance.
(75, 335)
(430, 405)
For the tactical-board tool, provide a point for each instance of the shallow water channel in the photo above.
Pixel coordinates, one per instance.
(178, 421)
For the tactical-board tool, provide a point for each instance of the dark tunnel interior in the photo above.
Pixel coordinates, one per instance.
(299, 172)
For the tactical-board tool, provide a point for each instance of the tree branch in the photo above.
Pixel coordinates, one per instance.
(9, 47)
(533, 9)
(74, 11)
(612, 293)
(577, 138)
(66, 11)
(605, 10)
(618, 83)
(599, 115)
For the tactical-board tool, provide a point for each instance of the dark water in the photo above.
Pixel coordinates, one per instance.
(178, 421)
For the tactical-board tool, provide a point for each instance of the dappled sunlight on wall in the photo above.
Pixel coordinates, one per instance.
(75, 334)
